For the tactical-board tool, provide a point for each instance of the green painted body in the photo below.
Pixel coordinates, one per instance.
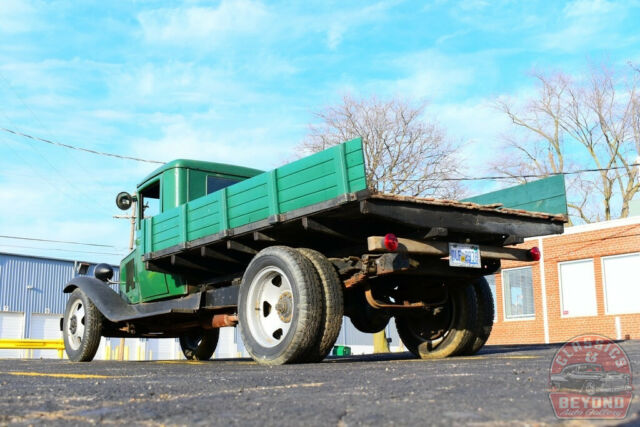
(544, 195)
(186, 212)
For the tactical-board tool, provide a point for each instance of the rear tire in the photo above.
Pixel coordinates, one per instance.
(81, 327)
(200, 344)
(279, 306)
(485, 313)
(434, 336)
(365, 318)
(332, 307)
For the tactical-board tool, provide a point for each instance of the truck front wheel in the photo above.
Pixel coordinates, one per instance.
(443, 332)
(200, 344)
(81, 327)
(279, 306)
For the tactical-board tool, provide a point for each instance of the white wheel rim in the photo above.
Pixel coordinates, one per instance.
(76, 324)
(269, 307)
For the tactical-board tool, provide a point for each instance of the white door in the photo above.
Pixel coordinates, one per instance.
(162, 349)
(227, 347)
(45, 326)
(11, 326)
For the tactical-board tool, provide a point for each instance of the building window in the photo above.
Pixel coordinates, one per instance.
(517, 288)
(621, 290)
(577, 288)
(491, 279)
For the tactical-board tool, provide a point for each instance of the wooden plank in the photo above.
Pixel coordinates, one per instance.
(261, 237)
(310, 181)
(272, 192)
(459, 220)
(311, 225)
(210, 253)
(224, 212)
(239, 247)
(341, 170)
(182, 262)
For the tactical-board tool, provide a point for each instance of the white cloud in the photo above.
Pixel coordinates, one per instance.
(192, 138)
(210, 24)
(18, 16)
(588, 24)
(41, 204)
(431, 74)
(478, 125)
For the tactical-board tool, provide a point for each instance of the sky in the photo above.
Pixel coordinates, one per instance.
(238, 82)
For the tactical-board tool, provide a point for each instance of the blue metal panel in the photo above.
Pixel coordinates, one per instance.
(34, 285)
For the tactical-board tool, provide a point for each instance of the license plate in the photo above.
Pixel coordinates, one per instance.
(464, 255)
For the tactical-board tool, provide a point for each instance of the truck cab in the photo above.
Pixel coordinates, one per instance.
(171, 185)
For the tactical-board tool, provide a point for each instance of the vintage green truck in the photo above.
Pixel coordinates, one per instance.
(285, 254)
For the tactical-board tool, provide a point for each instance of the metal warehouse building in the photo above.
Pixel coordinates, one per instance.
(32, 303)
(31, 298)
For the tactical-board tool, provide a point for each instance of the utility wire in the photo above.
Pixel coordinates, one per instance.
(470, 178)
(541, 175)
(61, 250)
(72, 147)
(58, 241)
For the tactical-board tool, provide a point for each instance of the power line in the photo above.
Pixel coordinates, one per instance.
(60, 250)
(57, 241)
(72, 147)
(545, 175)
(470, 178)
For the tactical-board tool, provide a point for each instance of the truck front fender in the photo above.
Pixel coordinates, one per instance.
(106, 300)
(115, 309)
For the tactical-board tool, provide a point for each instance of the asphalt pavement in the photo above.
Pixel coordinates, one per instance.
(499, 386)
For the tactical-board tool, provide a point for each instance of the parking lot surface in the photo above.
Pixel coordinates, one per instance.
(500, 385)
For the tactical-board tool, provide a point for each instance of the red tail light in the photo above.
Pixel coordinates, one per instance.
(391, 242)
(534, 254)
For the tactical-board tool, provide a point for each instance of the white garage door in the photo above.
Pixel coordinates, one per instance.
(227, 347)
(45, 326)
(11, 326)
(163, 349)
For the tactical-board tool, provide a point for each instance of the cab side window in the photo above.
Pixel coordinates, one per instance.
(215, 183)
(150, 200)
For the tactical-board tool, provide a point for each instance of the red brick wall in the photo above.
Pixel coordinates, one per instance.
(590, 244)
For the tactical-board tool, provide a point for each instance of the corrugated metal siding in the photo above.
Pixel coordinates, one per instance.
(34, 285)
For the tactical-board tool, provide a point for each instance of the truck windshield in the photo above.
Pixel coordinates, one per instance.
(215, 183)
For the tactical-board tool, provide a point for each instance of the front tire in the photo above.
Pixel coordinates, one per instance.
(199, 344)
(81, 327)
(446, 333)
(279, 306)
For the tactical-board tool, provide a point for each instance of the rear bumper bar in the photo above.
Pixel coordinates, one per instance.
(441, 249)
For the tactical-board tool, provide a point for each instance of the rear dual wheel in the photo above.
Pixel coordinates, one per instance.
(443, 332)
(485, 313)
(290, 306)
(199, 344)
(279, 306)
(332, 307)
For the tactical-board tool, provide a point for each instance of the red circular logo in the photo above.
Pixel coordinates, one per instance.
(590, 378)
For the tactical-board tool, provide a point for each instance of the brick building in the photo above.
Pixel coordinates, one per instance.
(588, 280)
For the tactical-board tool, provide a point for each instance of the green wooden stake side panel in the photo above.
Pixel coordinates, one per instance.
(544, 195)
(314, 179)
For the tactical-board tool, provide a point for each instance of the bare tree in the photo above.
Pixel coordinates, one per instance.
(404, 152)
(590, 123)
